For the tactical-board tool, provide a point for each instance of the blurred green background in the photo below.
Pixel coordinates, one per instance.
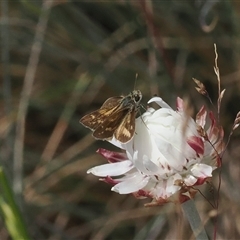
(85, 52)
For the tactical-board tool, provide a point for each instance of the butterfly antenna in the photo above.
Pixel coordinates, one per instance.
(136, 77)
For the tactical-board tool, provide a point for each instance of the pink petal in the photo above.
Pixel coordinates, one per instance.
(112, 156)
(180, 104)
(201, 117)
(109, 180)
(201, 181)
(197, 144)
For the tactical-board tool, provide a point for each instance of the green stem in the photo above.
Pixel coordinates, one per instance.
(10, 212)
(194, 220)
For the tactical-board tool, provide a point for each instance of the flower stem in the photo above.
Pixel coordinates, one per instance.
(194, 220)
(10, 212)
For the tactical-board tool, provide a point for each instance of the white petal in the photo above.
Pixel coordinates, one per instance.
(131, 185)
(149, 165)
(160, 102)
(146, 166)
(171, 186)
(172, 189)
(164, 188)
(119, 144)
(202, 170)
(111, 169)
(190, 180)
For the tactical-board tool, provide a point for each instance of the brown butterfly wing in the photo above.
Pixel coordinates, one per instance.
(94, 119)
(106, 129)
(126, 129)
(112, 102)
(115, 117)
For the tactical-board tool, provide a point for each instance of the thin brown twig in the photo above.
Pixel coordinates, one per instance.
(220, 95)
(63, 122)
(6, 149)
(156, 36)
(5, 57)
(25, 96)
(217, 72)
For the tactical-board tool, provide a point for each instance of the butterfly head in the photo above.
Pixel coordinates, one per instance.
(136, 96)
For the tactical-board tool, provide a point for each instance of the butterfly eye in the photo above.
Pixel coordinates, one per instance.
(137, 97)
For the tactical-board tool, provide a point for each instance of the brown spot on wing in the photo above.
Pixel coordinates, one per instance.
(106, 129)
(126, 129)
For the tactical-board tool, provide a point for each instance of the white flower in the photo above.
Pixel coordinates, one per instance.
(169, 154)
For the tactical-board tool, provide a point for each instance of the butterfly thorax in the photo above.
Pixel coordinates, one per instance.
(132, 100)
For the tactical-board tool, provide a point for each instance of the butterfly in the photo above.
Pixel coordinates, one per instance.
(116, 117)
